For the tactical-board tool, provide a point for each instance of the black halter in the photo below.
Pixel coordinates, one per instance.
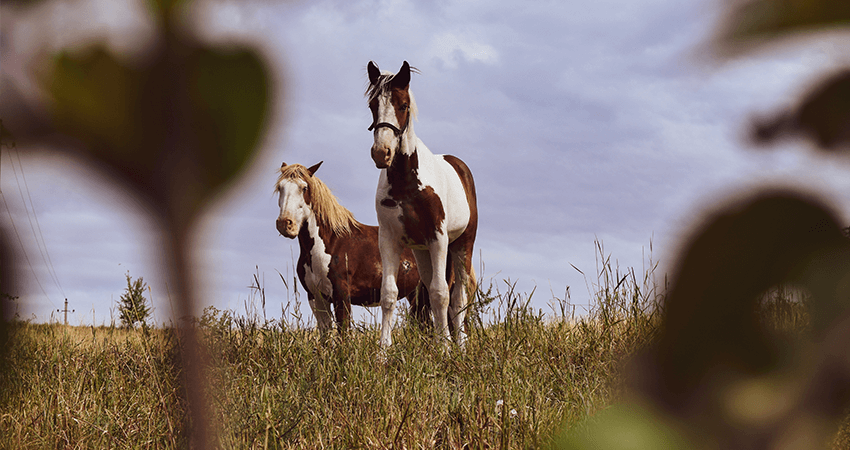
(398, 132)
(395, 129)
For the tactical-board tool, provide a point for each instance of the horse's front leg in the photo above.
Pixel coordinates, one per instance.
(390, 257)
(342, 311)
(322, 310)
(438, 287)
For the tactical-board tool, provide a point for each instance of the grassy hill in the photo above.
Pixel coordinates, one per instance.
(524, 378)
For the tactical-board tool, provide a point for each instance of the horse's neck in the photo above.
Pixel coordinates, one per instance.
(407, 143)
(404, 174)
(410, 144)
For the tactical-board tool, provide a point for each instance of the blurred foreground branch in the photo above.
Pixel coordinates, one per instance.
(174, 129)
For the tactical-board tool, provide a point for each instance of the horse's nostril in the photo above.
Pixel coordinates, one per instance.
(286, 227)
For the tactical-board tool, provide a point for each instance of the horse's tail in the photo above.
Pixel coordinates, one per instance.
(471, 307)
(472, 284)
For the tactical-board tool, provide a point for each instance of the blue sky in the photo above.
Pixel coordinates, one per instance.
(603, 120)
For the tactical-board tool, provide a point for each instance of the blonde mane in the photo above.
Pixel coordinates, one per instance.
(326, 207)
(375, 90)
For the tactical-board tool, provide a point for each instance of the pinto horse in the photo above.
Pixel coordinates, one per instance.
(425, 202)
(339, 262)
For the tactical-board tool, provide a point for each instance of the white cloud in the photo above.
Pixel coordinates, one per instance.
(450, 47)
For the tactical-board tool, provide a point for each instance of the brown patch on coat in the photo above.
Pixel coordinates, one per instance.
(400, 99)
(422, 213)
(422, 217)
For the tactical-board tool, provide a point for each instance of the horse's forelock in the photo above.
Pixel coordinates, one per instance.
(290, 171)
(374, 91)
(386, 77)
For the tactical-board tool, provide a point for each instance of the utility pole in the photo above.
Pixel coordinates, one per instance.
(66, 311)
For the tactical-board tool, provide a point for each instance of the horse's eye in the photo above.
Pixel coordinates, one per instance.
(304, 189)
(404, 107)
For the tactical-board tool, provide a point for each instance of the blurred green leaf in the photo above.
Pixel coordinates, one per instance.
(96, 99)
(164, 10)
(625, 427)
(766, 19)
(230, 97)
(823, 115)
(177, 126)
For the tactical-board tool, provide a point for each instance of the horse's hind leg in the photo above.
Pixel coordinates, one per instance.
(463, 287)
(420, 307)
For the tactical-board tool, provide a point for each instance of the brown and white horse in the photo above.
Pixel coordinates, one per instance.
(339, 262)
(425, 202)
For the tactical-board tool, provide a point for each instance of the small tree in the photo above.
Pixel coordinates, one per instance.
(132, 306)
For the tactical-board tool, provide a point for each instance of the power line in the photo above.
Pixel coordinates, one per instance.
(23, 249)
(15, 227)
(42, 245)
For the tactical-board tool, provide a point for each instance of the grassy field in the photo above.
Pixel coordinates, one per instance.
(524, 377)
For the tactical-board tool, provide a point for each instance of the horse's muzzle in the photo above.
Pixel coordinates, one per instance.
(381, 157)
(286, 227)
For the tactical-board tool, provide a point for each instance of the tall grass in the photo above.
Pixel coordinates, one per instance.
(95, 387)
(523, 376)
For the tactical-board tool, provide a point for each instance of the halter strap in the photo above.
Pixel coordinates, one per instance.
(396, 130)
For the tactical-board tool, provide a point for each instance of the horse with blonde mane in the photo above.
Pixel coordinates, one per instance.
(339, 263)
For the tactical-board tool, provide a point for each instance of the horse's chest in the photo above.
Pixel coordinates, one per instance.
(420, 216)
(314, 268)
(421, 205)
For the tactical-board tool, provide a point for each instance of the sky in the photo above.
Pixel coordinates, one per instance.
(582, 122)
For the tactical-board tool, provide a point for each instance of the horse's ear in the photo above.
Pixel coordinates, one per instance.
(282, 165)
(314, 168)
(374, 72)
(401, 80)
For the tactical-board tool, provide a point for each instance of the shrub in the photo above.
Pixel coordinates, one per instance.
(132, 306)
